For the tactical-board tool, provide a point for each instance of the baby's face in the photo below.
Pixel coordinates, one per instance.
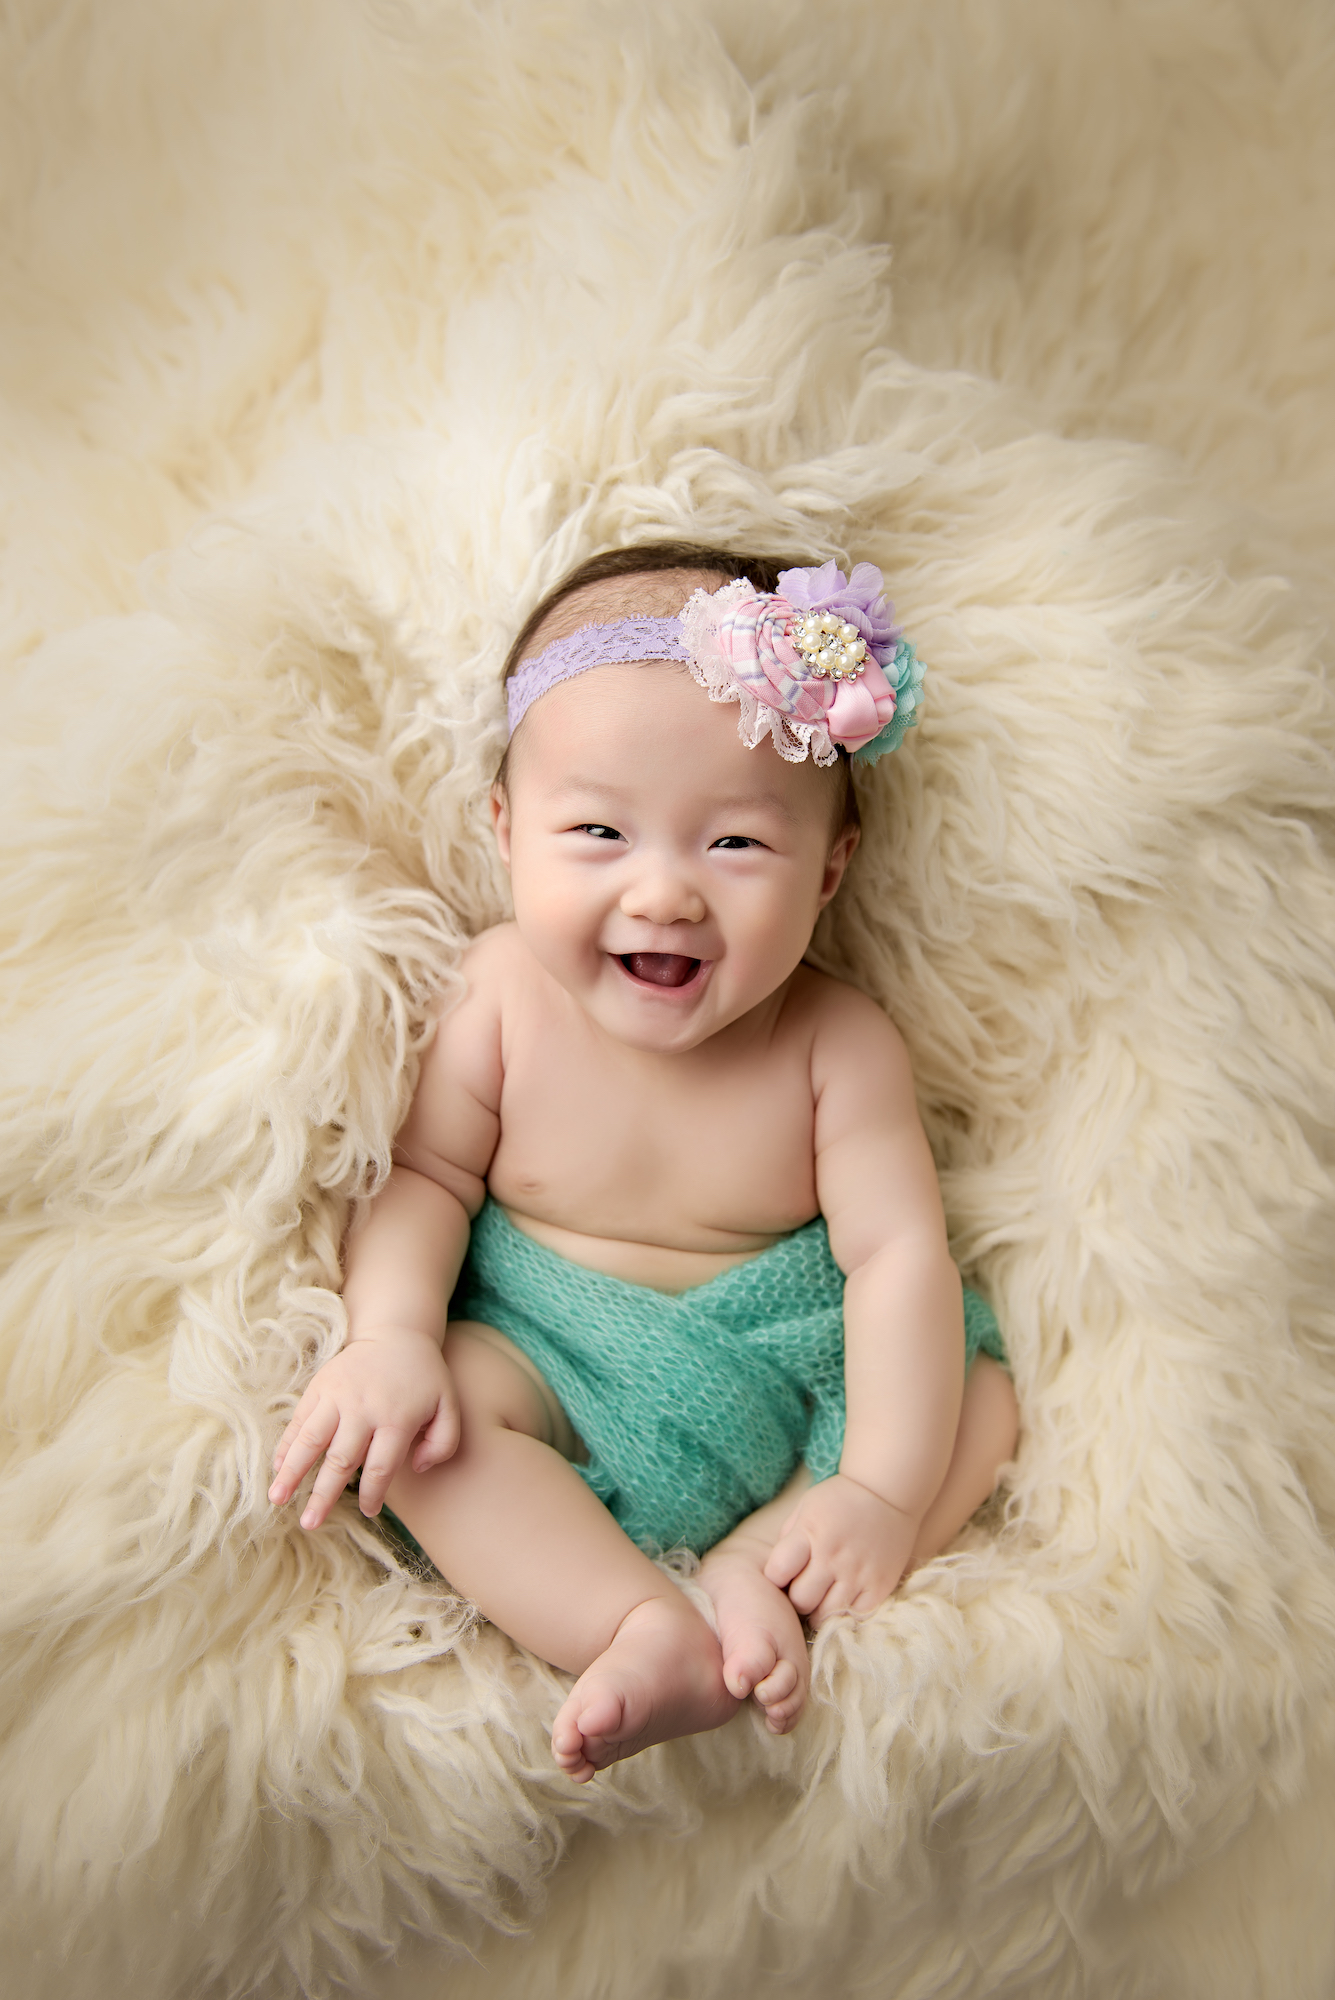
(665, 875)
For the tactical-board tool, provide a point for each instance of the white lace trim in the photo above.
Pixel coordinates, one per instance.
(700, 617)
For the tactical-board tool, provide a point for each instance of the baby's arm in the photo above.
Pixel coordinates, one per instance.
(848, 1540)
(389, 1386)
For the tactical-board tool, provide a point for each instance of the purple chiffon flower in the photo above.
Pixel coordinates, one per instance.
(859, 599)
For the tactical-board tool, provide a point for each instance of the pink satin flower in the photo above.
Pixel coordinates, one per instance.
(861, 708)
(753, 637)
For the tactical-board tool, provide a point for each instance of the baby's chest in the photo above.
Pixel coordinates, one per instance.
(599, 1149)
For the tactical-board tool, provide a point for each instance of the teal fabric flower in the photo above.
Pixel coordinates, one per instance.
(905, 674)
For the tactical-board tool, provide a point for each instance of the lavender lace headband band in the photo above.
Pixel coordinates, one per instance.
(818, 666)
(592, 646)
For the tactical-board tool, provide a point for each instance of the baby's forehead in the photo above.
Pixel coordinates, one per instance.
(657, 594)
(642, 734)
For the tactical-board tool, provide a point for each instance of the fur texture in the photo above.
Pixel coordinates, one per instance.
(335, 333)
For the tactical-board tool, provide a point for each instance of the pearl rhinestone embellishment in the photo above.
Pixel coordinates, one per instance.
(832, 649)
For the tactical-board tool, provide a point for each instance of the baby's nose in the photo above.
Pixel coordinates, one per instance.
(663, 896)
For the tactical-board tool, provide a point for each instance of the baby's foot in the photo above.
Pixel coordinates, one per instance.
(662, 1676)
(764, 1650)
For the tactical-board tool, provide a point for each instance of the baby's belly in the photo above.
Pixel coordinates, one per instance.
(657, 1265)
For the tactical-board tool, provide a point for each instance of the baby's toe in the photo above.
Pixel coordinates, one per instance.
(781, 1715)
(600, 1714)
(572, 1762)
(778, 1685)
(568, 1748)
(749, 1662)
(782, 1697)
(574, 1752)
(581, 1770)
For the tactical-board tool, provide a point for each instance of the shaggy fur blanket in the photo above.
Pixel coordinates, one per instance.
(334, 331)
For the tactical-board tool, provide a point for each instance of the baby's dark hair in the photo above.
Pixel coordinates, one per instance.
(647, 559)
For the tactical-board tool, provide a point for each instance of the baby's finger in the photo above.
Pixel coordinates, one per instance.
(385, 1454)
(809, 1590)
(310, 1435)
(309, 1402)
(788, 1558)
(440, 1439)
(834, 1603)
(340, 1462)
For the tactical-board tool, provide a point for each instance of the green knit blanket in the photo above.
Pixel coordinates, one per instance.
(695, 1407)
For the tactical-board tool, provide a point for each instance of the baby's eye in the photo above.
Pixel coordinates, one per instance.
(598, 832)
(733, 842)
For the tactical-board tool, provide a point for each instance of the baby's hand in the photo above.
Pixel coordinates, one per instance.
(842, 1548)
(365, 1407)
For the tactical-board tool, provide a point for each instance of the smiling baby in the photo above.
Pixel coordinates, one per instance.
(672, 1177)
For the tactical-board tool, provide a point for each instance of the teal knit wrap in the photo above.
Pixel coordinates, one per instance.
(695, 1407)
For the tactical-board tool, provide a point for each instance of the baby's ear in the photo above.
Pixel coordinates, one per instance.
(845, 843)
(500, 820)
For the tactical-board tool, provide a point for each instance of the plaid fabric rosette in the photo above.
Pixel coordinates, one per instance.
(818, 665)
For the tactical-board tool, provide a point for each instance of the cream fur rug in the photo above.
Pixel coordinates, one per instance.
(334, 333)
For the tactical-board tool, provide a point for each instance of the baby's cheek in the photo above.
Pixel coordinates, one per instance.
(787, 930)
(545, 905)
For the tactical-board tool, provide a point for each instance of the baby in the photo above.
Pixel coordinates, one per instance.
(706, 1296)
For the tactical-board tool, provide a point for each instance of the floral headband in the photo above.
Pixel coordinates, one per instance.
(818, 665)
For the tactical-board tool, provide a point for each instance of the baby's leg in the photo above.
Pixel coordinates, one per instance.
(514, 1527)
(988, 1427)
(764, 1651)
(764, 1647)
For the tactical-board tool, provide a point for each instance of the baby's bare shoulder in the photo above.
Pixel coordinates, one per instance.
(855, 1046)
(489, 968)
(464, 1044)
(452, 1122)
(490, 956)
(834, 1010)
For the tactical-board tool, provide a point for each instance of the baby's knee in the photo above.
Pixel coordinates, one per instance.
(993, 1410)
(496, 1385)
(491, 1390)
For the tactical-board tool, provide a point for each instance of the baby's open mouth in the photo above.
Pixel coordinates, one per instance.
(660, 968)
